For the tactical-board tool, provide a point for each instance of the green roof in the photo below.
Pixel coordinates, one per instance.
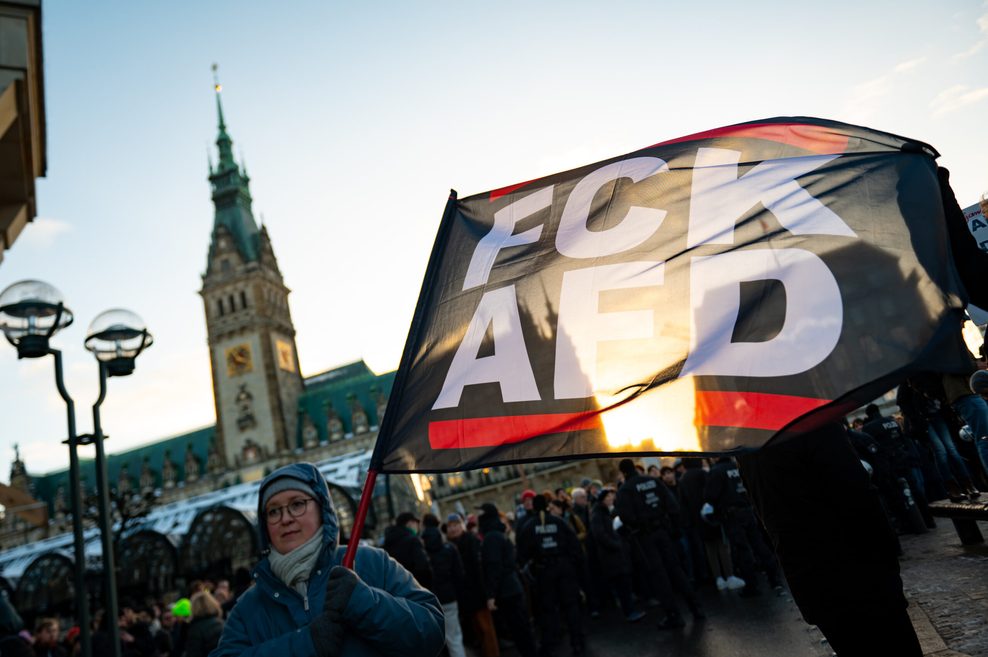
(336, 386)
(46, 486)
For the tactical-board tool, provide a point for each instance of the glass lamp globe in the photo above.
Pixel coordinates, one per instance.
(30, 313)
(116, 337)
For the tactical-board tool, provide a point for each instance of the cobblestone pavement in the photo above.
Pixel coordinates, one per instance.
(947, 585)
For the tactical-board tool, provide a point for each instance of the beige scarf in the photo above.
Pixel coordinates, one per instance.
(295, 567)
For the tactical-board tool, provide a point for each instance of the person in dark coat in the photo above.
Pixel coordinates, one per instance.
(727, 498)
(447, 580)
(550, 547)
(903, 458)
(206, 626)
(690, 488)
(923, 398)
(472, 601)
(502, 588)
(402, 542)
(11, 643)
(837, 550)
(305, 604)
(613, 553)
(649, 510)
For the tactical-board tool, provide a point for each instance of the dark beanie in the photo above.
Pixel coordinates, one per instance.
(283, 483)
(979, 382)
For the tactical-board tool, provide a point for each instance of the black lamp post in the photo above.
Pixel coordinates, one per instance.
(116, 337)
(30, 313)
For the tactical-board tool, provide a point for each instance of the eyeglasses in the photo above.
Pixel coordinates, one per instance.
(296, 509)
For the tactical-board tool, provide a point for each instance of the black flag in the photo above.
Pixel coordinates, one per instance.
(705, 294)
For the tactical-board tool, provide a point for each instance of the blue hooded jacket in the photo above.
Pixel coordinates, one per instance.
(389, 614)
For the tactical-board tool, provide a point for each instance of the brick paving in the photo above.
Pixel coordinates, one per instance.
(947, 585)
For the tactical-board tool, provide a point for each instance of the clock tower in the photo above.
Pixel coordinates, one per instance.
(256, 378)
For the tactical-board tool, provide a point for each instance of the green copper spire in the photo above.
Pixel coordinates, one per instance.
(231, 193)
(223, 141)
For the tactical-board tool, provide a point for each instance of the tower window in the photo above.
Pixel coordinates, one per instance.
(233, 306)
(243, 299)
(219, 305)
(225, 265)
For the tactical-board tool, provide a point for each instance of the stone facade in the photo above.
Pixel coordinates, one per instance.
(254, 361)
(463, 492)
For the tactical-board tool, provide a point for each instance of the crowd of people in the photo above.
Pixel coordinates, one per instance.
(187, 627)
(914, 456)
(651, 538)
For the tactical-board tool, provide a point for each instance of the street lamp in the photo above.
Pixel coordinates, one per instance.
(30, 313)
(116, 337)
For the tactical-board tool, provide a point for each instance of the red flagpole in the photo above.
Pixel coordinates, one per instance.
(358, 521)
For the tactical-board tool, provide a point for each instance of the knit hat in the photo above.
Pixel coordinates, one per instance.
(454, 517)
(182, 608)
(979, 382)
(284, 483)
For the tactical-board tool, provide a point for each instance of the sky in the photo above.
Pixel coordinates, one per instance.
(355, 120)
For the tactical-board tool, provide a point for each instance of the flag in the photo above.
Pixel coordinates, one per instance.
(705, 294)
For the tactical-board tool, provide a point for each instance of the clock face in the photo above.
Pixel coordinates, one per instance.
(239, 360)
(286, 357)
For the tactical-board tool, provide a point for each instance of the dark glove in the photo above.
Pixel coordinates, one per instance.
(339, 588)
(327, 629)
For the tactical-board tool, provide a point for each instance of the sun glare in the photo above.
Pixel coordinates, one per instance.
(661, 419)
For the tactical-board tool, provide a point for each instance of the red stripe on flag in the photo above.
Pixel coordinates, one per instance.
(495, 431)
(504, 191)
(815, 138)
(751, 410)
(802, 135)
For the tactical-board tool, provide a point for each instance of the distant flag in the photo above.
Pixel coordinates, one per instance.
(704, 294)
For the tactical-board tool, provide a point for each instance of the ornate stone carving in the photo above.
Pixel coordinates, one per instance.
(251, 453)
(310, 435)
(19, 477)
(245, 409)
(334, 425)
(358, 416)
(214, 464)
(381, 403)
(60, 505)
(147, 477)
(169, 473)
(123, 480)
(191, 465)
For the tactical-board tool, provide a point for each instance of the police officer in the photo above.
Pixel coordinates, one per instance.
(725, 496)
(649, 510)
(901, 455)
(549, 547)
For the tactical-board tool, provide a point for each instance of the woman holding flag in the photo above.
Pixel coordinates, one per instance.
(304, 603)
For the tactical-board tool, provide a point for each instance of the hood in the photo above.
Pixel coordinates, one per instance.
(309, 474)
(395, 534)
(433, 539)
(488, 522)
(10, 621)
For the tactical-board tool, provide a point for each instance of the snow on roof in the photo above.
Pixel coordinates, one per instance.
(175, 519)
